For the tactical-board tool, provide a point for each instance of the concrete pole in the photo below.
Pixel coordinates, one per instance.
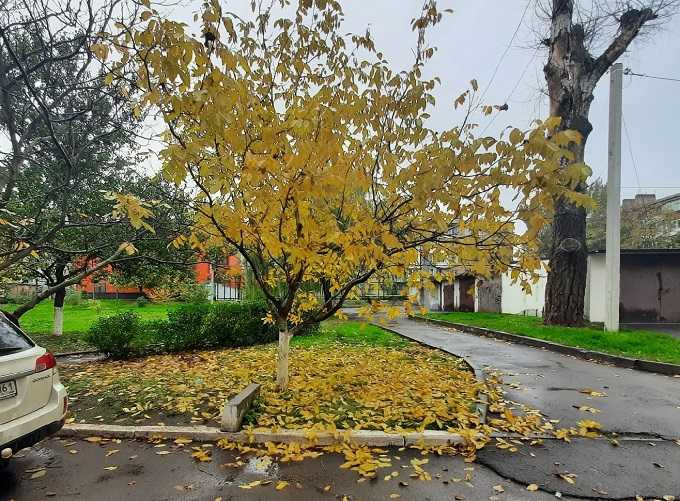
(613, 249)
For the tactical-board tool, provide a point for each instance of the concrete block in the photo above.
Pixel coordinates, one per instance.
(376, 438)
(236, 408)
(433, 438)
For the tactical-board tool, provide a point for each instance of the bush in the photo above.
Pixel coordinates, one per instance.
(183, 328)
(73, 298)
(19, 298)
(236, 324)
(115, 336)
(194, 293)
(141, 301)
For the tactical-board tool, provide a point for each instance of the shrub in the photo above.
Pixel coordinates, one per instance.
(183, 328)
(194, 293)
(73, 298)
(236, 324)
(19, 298)
(115, 335)
(141, 301)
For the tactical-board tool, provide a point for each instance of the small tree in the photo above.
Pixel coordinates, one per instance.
(310, 157)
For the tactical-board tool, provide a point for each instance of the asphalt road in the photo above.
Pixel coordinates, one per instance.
(142, 474)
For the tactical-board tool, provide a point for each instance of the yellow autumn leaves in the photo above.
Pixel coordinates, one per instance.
(332, 388)
(312, 157)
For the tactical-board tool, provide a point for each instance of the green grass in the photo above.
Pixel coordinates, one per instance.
(350, 332)
(38, 322)
(638, 344)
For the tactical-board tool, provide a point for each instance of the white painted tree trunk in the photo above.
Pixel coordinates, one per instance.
(282, 360)
(58, 329)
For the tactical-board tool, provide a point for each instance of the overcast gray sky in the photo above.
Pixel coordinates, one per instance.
(472, 40)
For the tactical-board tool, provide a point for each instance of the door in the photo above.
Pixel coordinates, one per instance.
(467, 293)
(447, 302)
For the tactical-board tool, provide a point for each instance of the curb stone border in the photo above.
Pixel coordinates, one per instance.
(482, 405)
(591, 356)
(432, 438)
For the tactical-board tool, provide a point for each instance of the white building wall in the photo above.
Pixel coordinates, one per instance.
(595, 289)
(515, 300)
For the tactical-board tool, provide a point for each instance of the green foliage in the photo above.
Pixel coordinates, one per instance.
(141, 301)
(630, 343)
(115, 335)
(182, 331)
(18, 298)
(73, 299)
(236, 324)
(194, 293)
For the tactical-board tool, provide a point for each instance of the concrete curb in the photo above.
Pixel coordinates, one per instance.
(430, 438)
(591, 356)
(482, 405)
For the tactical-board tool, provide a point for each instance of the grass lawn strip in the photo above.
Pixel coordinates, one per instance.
(639, 344)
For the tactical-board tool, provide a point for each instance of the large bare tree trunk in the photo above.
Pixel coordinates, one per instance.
(282, 359)
(572, 74)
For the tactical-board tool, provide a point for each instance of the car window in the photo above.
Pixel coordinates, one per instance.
(11, 338)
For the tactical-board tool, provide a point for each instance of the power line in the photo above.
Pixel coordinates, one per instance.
(507, 49)
(628, 71)
(630, 150)
(519, 80)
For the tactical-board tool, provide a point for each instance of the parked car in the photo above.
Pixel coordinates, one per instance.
(33, 402)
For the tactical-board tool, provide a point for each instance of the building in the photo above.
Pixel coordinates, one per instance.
(650, 286)
(223, 280)
(659, 218)
(496, 295)
(650, 290)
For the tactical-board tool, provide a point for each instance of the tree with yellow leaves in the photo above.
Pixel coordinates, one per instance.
(309, 155)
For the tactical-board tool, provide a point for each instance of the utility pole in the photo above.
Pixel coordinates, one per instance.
(613, 248)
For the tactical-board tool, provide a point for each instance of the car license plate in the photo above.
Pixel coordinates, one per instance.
(8, 389)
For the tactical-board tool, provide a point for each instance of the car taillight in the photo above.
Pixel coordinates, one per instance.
(47, 361)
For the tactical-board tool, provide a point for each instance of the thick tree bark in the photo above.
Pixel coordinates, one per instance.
(282, 359)
(572, 73)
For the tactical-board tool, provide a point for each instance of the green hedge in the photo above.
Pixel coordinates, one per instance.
(189, 327)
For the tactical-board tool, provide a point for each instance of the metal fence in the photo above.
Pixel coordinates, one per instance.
(227, 292)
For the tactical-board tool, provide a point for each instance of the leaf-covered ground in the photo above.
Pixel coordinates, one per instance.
(346, 377)
(333, 385)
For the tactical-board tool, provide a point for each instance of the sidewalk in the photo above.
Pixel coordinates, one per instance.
(644, 408)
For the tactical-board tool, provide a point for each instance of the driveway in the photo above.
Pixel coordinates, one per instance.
(136, 472)
(643, 409)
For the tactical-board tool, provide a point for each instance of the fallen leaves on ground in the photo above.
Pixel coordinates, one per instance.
(337, 387)
(333, 389)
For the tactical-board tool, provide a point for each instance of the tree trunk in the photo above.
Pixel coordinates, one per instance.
(282, 359)
(570, 88)
(58, 328)
(59, 296)
(572, 73)
(565, 290)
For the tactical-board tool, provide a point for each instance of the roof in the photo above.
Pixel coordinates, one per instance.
(639, 251)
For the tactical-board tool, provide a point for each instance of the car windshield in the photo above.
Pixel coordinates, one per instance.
(11, 338)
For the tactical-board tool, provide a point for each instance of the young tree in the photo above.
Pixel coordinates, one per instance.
(310, 156)
(572, 71)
